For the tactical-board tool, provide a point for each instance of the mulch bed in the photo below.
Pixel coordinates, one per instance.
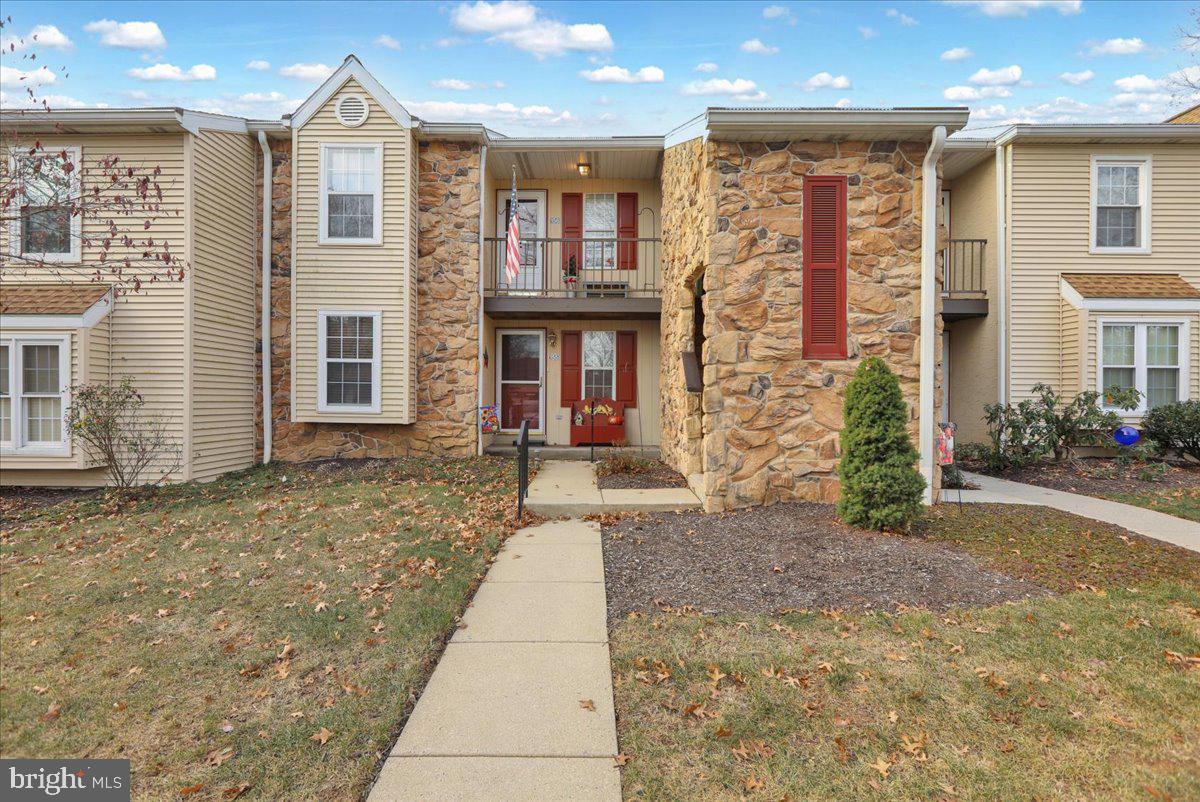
(1100, 476)
(659, 476)
(794, 555)
(17, 501)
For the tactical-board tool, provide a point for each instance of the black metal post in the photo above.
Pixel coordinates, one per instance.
(522, 467)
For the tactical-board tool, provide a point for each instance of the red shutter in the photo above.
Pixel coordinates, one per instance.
(572, 229)
(627, 228)
(627, 368)
(571, 387)
(824, 267)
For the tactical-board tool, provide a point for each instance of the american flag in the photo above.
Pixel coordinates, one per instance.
(512, 259)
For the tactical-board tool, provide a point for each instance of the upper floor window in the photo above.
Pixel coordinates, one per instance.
(33, 376)
(348, 361)
(1120, 204)
(351, 194)
(47, 225)
(600, 223)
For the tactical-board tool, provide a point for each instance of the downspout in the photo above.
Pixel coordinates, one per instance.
(266, 296)
(479, 378)
(929, 291)
(1001, 277)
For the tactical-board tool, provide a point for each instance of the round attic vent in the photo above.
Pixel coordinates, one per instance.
(352, 110)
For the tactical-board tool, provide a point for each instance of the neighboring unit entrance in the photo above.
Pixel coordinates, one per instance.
(531, 211)
(519, 370)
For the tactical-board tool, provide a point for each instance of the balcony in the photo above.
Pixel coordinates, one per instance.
(964, 280)
(565, 278)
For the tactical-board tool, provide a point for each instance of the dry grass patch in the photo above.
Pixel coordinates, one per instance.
(269, 630)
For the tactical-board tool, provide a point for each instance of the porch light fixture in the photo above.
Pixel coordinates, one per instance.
(552, 338)
(584, 168)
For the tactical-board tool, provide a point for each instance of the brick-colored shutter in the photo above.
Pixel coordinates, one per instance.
(627, 228)
(824, 277)
(627, 368)
(571, 384)
(572, 229)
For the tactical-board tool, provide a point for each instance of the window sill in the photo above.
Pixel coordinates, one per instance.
(1099, 251)
(334, 411)
(56, 258)
(328, 241)
(36, 451)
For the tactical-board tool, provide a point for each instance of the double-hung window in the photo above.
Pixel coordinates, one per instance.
(599, 364)
(1120, 204)
(47, 227)
(349, 361)
(34, 373)
(1147, 356)
(600, 223)
(351, 205)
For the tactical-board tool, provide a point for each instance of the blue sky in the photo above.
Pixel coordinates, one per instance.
(613, 68)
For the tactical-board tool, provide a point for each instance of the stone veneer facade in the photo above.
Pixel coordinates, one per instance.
(447, 319)
(766, 427)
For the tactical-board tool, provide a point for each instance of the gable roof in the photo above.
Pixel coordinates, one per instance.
(351, 68)
(1191, 115)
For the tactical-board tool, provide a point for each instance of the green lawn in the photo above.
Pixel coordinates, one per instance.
(1092, 694)
(1180, 502)
(266, 633)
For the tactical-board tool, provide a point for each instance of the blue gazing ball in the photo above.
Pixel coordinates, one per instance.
(1127, 436)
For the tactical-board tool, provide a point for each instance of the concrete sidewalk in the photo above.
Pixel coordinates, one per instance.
(564, 487)
(1157, 525)
(504, 716)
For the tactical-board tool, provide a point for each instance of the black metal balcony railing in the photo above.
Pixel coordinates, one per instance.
(963, 267)
(576, 268)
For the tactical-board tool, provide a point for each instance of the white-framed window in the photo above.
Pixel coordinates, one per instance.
(1148, 355)
(599, 364)
(35, 373)
(1120, 204)
(351, 204)
(46, 229)
(600, 222)
(348, 359)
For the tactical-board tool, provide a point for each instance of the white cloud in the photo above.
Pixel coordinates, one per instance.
(705, 66)
(1118, 47)
(258, 65)
(522, 25)
(1021, 8)
(1137, 83)
(901, 17)
(312, 72)
(448, 41)
(737, 88)
(22, 100)
(867, 32)
(383, 40)
(604, 100)
(988, 113)
(453, 111)
(12, 77)
(169, 72)
(975, 93)
(1076, 78)
(957, 54)
(258, 105)
(780, 13)
(844, 103)
(459, 85)
(1003, 76)
(129, 35)
(758, 47)
(613, 74)
(40, 37)
(825, 80)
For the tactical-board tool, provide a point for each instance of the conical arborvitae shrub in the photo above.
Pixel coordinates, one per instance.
(881, 487)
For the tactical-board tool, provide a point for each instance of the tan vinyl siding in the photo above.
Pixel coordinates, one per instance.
(1071, 328)
(223, 304)
(356, 277)
(147, 328)
(1049, 232)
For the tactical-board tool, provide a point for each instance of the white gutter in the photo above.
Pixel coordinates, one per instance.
(1001, 279)
(266, 296)
(929, 295)
(482, 266)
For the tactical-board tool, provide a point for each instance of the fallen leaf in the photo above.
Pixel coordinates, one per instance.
(321, 735)
(752, 783)
(882, 766)
(587, 704)
(622, 759)
(188, 790)
(235, 791)
(218, 756)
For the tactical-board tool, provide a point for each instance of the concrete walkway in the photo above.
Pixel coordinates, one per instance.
(564, 487)
(1157, 525)
(505, 715)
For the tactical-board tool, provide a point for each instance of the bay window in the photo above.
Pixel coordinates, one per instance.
(348, 355)
(1120, 204)
(351, 194)
(1148, 356)
(34, 372)
(47, 227)
(599, 364)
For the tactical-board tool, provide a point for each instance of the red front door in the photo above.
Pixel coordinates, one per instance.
(520, 378)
